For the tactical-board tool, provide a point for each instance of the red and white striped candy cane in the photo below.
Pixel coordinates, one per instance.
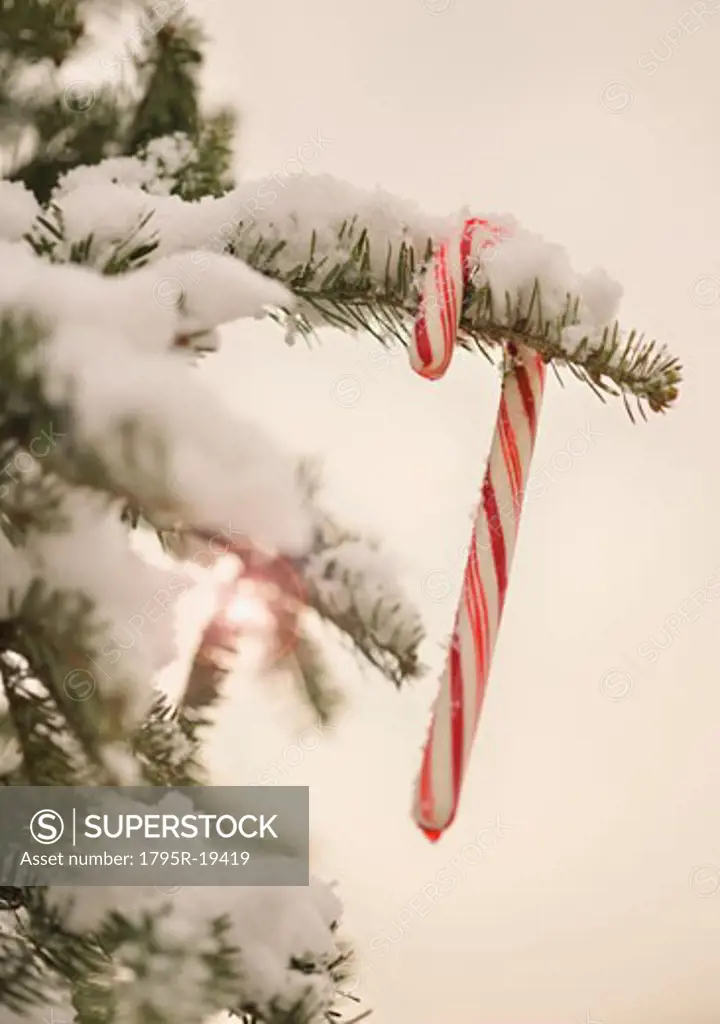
(462, 690)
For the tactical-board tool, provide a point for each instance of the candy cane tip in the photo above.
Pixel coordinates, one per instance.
(428, 372)
(432, 834)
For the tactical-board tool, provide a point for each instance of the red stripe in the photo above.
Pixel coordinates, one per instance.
(484, 611)
(450, 292)
(486, 636)
(427, 798)
(466, 245)
(451, 296)
(527, 396)
(437, 370)
(443, 281)
(494, 525)
(484, 641)
(472, 601)
(457, 724)
(422, 340)
(480, 622)
(496, 538)
(450, 321)
(443, 309)
(510, 451)
(506, 457)
(452, 289)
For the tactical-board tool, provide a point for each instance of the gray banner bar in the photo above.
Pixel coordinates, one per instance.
(165, 837)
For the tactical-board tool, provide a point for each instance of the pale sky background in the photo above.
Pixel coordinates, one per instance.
(584, 910)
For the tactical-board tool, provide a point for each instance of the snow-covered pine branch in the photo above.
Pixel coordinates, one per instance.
(138, 954)
(352, 259)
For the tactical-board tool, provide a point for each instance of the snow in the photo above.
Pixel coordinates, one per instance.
(92, 558)
(312, 209)
(18, 210)
(357, 577)
(109, 213)
(118, 170)
(304, 209)
(216, 289)
(271, 926)
(156, 170)
(166, 159)
(523, 258)
(273, 209)
(220, 468)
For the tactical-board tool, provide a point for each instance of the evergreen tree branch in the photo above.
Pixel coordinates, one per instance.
(341, 290)
(168, 79)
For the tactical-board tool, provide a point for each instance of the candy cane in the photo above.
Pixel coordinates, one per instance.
(462, 689)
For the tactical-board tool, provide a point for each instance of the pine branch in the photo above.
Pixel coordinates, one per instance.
(311, 677)
(386, 635)
(211, 173)
(36, 30)
(167, 745)
(50, 756)
(168, 76)
(72, 131)
(341, 290)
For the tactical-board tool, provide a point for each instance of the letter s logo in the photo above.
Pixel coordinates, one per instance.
(46, 827)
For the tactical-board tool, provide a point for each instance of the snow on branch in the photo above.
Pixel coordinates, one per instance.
(277, 946)
(109, 372)
(352, 259)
